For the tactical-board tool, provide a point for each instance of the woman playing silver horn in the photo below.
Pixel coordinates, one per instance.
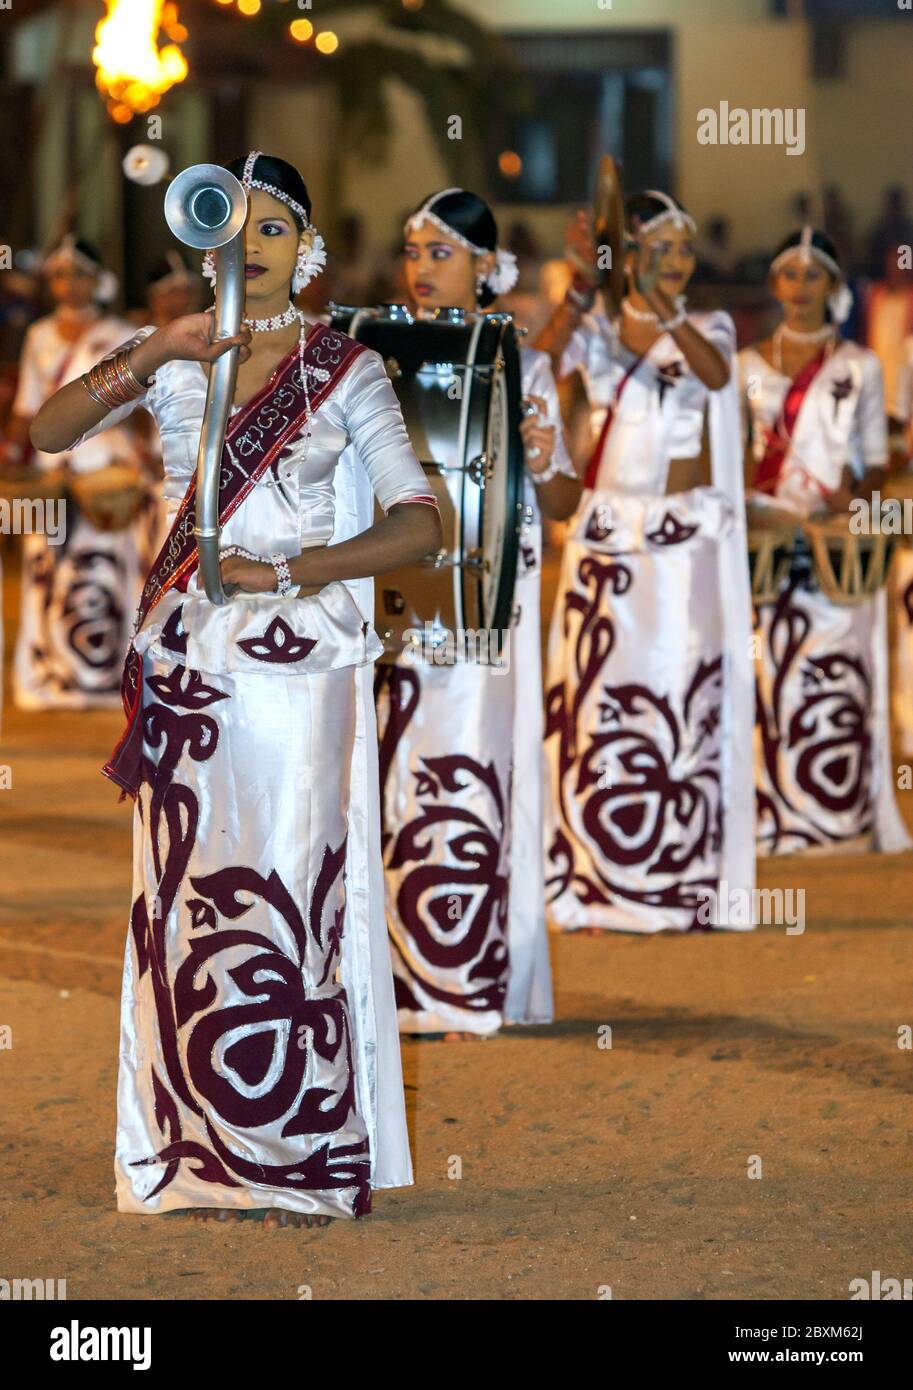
(259, 1061)
(815, 403)
(648, 690)
(462, 743)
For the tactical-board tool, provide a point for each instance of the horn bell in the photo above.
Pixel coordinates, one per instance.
(205, 206)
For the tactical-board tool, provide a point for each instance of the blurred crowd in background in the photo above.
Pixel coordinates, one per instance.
(358, 273)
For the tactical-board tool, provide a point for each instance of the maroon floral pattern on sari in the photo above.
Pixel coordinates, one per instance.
(278, 644)
(637, 771)
(212, 1068)
(814, 716)
(447, 882)
(77, 593)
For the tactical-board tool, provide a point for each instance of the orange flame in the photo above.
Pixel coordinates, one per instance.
(133, 72)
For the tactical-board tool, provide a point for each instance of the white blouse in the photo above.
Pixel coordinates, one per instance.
(538, 380)
(841, 421)
(48, 362)
(359, 425)
(660, 414)
(296, 508)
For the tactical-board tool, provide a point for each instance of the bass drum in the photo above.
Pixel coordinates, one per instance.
(457, 378)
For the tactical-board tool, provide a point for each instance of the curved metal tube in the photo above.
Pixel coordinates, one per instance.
(223, 373)
(206, 207)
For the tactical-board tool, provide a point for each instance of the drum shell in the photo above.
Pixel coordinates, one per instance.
(772, 535)
(458, 383)
(42, 485)
(110, 498)
(862, 559)
(820, 554)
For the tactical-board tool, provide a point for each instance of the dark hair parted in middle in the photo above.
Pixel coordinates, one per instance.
(269, 168)
(469, 218)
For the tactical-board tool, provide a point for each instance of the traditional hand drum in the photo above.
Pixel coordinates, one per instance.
(848, 567)
(458, 382)
(45, 484)
(771, 543)
(110, 498)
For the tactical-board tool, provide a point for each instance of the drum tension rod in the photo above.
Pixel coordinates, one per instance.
(428, 368)
(479, 468)
(445, 560)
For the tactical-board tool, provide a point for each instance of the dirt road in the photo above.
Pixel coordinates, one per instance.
(582, 1166)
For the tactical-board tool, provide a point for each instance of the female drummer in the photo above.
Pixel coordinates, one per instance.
(79, 584)
(815, 403)
(461, 742)
(259, 1059)
(648, 692)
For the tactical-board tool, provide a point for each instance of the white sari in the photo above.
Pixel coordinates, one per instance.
(461, 775)
(648, 692)
(78, 597)
(822, 751)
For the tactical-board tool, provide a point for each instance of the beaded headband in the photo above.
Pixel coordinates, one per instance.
(248, 181)
(311, 259)
(673, 214)
(505, 273)
(840, 301)
(807, 251)
(69, 254)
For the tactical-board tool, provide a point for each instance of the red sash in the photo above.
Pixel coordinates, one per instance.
(592, 468)
(259, 432)
(780, 437)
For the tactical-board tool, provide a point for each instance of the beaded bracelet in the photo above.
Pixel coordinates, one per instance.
(284, 584)
(283, 574)
(547, 474)
(667, 325)
(243, 554)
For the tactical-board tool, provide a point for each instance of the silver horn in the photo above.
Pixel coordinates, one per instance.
(206, 207)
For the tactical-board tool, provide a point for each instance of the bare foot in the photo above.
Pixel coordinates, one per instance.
(590, 931)
(278, 1216)
(467, 1037)
(214, 1214)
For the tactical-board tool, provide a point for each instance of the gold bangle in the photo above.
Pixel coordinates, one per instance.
(128, 368)
(112, 382)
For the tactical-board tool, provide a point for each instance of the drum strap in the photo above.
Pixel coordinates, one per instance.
(592, 468)
(780, 437)
(254, 441)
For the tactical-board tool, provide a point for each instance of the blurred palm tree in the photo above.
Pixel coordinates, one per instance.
(455, 66)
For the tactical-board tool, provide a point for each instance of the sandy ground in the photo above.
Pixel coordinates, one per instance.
(582, 1166)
